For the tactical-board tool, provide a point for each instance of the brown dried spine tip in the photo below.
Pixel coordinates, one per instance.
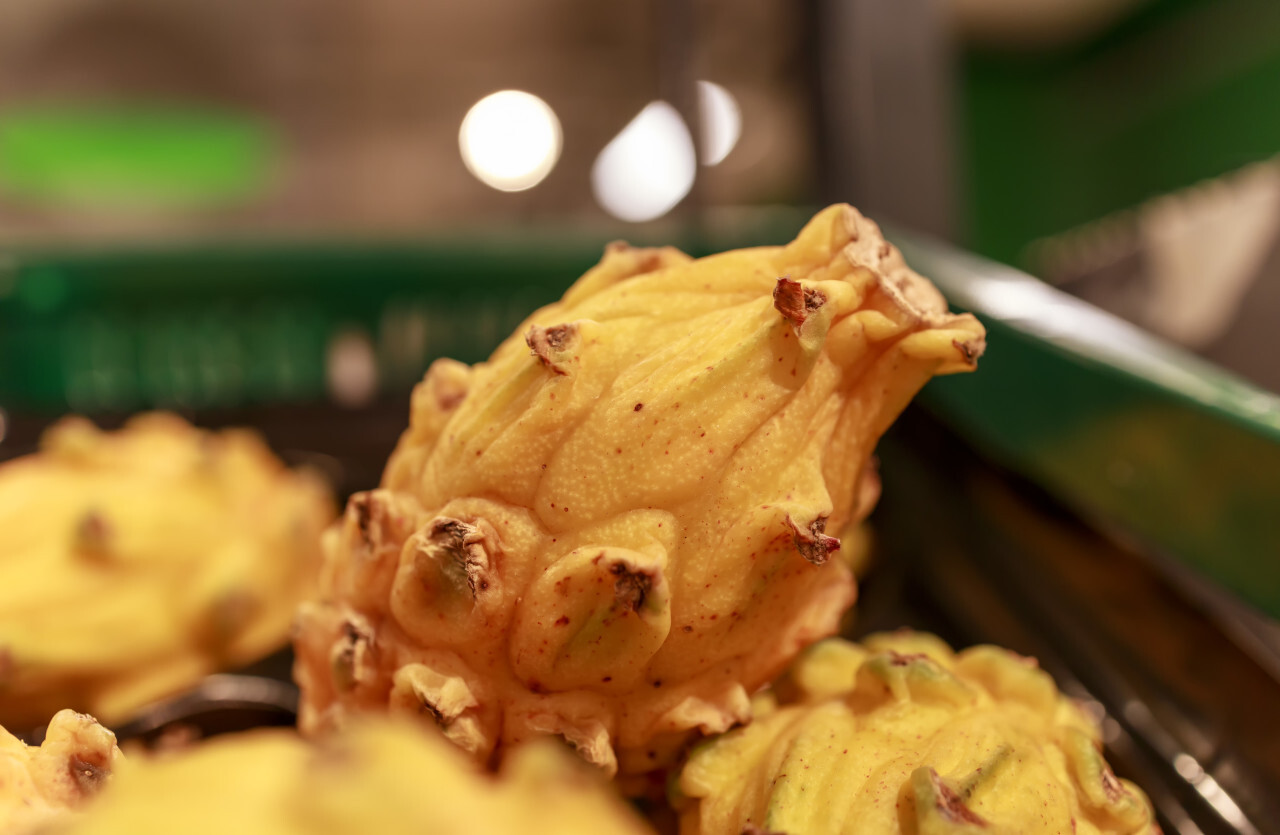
(795, 302)
(814, 545)
(370, 514)
(950, 805)
(364, 514)
(350, 651)
(631, 587)
(465, 544)
(93, 534)
(898, 659)
(426, 708)
(88, 776)
(544, 342)
(448, 390)
(1114, 789)
(647, 259)
(229, 614)
(449, 400)
(969, 351)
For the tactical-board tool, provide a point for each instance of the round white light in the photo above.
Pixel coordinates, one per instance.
(721, 122)
(648, 167)
(510, 140)
(351, 368)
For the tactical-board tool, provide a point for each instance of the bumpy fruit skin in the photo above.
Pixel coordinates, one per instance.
(134, 562)
(42, 785)
(616, 528)
(902, 735)
(376, 777)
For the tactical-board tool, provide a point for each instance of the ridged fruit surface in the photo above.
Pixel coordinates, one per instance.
(618, 526)
(42, 785)
(134, 562)
(902, 735)
(377, 777)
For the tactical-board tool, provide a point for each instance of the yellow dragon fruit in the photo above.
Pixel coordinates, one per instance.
(900, 735)
(132, 563)
(378, 777)
(617, 528)
(42, 785)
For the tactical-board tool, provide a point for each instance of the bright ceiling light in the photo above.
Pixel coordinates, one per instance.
(648, 168)
(510, 140)
(721, 122)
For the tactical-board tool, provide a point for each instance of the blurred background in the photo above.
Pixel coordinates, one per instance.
(278, 212)
(1120, 149)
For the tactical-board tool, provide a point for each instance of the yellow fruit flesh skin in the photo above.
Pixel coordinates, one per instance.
(381, 777)
(901, 735)
(642, 474)
(43, 785)
(132, 563)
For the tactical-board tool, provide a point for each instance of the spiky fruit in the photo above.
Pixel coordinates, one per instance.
(134, 562)
(616, 528)
(40, 785)
(377, 776)
(901, 735)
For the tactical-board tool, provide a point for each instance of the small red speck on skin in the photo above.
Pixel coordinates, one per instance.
(552, 395)
(711, 452)
(638, 407)
(566, 510)
(479, 452)
(563, 620)
(618, 450)
(544, 466)
(607, 679)
(687, 628)
(713, 617)
(703, 435)
(658, 683)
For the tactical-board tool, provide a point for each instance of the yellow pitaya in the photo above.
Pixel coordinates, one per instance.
(381, 777)
(135, 562)
(902, 736)
(619, 526)
(43, 785)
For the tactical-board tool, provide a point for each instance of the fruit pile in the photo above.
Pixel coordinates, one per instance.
(620, 531)
(134, 563)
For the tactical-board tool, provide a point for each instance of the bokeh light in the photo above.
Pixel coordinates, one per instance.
(648, 167)
(721, 122)
(510, 140)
